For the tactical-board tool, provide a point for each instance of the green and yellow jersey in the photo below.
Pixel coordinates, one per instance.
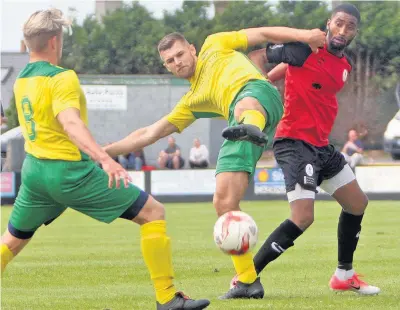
(41, 91)
(221, 72)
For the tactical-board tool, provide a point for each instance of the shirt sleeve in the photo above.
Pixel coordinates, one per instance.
(66, 91)
(295, 53)
(234, 40)
(181, 116)
(204, 153)
(192, 156)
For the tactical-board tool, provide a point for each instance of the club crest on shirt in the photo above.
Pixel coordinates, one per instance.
(345, 74)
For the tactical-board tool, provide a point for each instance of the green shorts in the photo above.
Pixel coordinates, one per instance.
(49, 187)
(244, 155)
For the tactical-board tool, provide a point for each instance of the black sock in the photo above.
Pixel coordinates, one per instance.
(279, 241)
(349, 229)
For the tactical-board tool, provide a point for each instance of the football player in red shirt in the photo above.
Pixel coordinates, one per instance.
(302, 149)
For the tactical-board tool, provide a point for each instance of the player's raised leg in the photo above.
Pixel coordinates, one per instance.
(256, 113)
(347, 192)
(252, 119)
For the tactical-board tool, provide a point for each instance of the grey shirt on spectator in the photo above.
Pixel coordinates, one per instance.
(171, 150)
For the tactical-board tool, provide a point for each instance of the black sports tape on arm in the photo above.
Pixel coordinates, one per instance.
(293, 53)
(275, 54)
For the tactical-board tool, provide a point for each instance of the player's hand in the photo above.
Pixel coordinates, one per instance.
(316, 39)
(115, 173)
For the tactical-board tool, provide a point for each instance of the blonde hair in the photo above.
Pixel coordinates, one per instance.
(169, 40)
(41, 26)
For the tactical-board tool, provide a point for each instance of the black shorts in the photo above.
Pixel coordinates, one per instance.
(170, 164)
(306, 164)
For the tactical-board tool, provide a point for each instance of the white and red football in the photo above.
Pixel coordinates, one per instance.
(235, 233)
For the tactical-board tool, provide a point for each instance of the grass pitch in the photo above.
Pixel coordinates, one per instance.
(78, 263)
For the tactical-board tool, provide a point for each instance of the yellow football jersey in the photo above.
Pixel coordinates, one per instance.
(41, 91)
(221, 72)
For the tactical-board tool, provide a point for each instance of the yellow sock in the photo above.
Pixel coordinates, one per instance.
(253, 117)
(244, 267)
(6, 256)
(156, 250)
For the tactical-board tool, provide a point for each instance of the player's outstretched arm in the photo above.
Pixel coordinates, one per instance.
(80, 135)
(141, 138)
(255, 36)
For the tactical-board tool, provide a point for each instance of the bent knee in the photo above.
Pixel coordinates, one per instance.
(14, 243)
(248, 103)
(156, 213)
(364, 201)
(302, 213)
(163, 155)
(223, 203)
(152, 211)
(358, 208)
(304, 221)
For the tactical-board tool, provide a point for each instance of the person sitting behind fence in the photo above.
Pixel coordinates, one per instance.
(199, 157)
(3, 119)
(171, 157)
(134, 160)
(353, 149)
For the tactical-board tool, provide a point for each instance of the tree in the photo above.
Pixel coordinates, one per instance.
(191, 20)
(12, 115)
(220, 6)
(379, 42)
(133, 35)
(86, 50)
(244, 14)
(376, 53)
(125, 43)
(303, 14)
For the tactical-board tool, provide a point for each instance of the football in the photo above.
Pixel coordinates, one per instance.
(235, 233)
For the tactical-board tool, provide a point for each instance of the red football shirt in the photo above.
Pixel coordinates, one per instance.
(311, 84)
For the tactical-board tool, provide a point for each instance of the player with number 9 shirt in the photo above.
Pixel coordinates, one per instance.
(58, 172)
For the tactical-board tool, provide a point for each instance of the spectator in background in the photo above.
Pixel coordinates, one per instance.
(134, 160)
(198, 155)
(171, 157)
(362, 131)
(3, 120)
(353, 149)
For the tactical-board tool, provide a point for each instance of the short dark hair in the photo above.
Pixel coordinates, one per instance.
(349, 9)
(169, 40)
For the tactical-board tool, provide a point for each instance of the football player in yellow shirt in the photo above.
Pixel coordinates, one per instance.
(58, 174)
(224, 83)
